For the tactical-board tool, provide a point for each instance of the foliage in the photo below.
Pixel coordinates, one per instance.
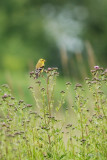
(24, 38)
(28, 132)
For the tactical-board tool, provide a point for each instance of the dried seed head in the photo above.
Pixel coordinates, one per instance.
(42, 89)
(30, 87)
(69, 125)
(47, 114)
(24, 137)
(21, 101)
(10, 119)
(33, 112)
(3, 124)
(90, 120)
(94, 114)
(100, 117)
(70, 139)
(44, 154)
(56, 73)
(17, 133)
(68, 83)
(23, 107)
(52, 117)
(101, 68)
(39, 82)
(29, 105)
(12, 98)
(86, 78)
(62, 92)
(5, 96)
(55, 68)
(22, 132)
(51, 69)
(83, 140)
(78, 85)
(43, 127)
(31, 73)
(93, 71)
(27, 121)
(93, 82)
(89, 82)
(95, 78)
(87, 110)
(11, 105)
(100, 92)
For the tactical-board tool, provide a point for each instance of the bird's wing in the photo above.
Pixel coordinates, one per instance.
(38, 70)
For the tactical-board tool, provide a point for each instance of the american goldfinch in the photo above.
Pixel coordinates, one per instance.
(39, 67)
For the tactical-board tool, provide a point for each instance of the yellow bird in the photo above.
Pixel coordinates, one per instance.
(39, 67)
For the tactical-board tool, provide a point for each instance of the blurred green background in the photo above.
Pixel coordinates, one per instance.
(69, 34)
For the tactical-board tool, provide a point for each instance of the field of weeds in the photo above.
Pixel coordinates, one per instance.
(55, 129)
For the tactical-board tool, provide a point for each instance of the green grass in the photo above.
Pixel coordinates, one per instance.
(65, 121)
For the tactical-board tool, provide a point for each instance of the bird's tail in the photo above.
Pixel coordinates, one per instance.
(38, 71)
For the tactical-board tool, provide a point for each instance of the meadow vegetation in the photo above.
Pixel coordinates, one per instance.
(55, 129)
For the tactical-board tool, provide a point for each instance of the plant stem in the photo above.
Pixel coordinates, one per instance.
(48, 96)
